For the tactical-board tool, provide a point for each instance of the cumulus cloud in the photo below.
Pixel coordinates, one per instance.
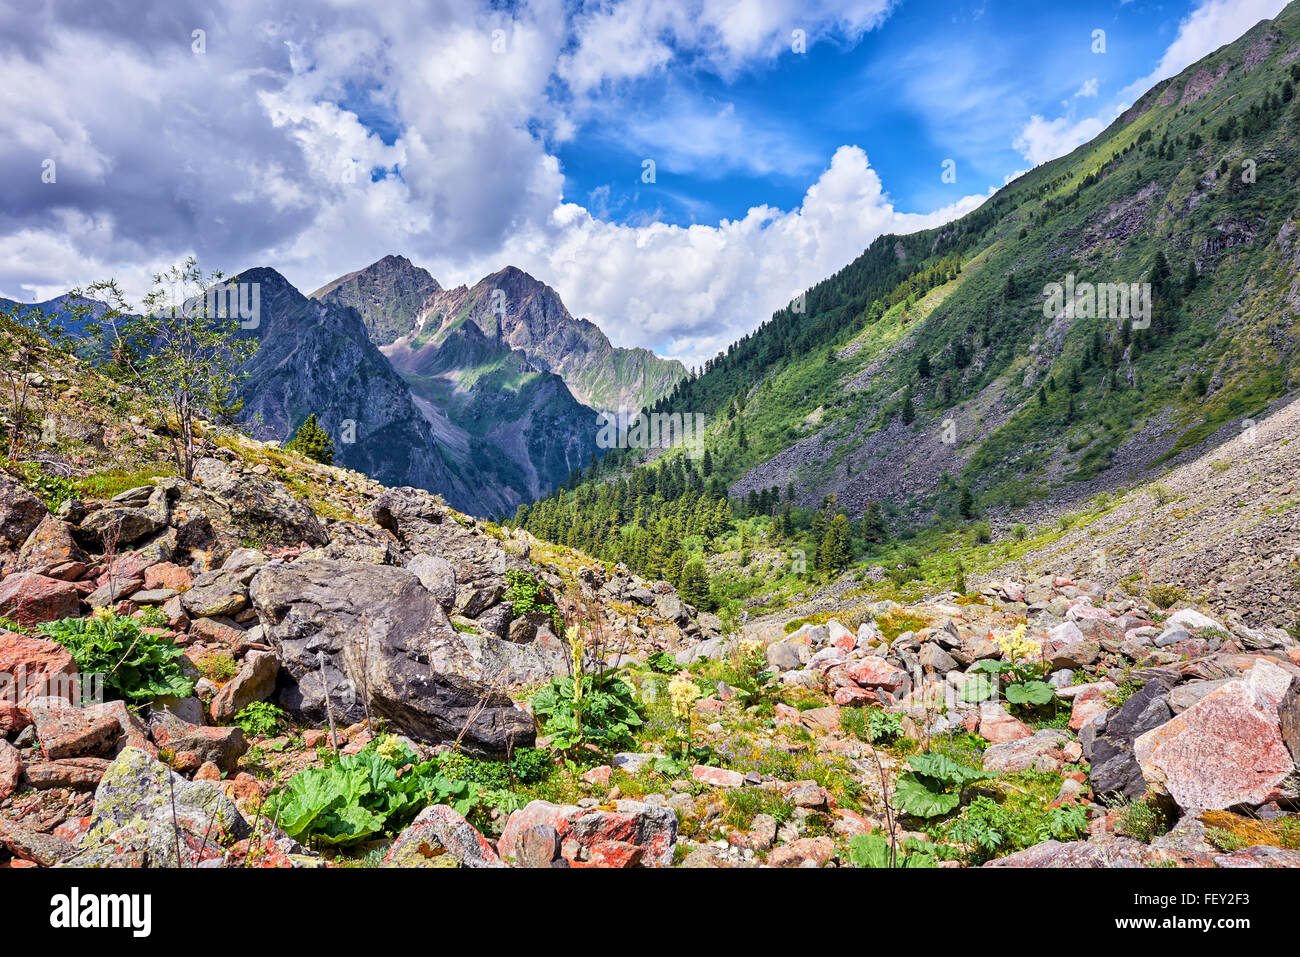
(1041, 140)
(318, 139)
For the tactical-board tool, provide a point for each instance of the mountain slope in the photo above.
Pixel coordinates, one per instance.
(926, 385)
(1166, 190)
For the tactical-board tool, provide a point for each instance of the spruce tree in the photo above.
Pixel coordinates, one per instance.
(313, 441)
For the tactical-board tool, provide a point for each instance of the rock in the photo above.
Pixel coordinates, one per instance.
(119, 526)
(28, 844)
(11, 769)
(1260, 856)
(113, 590)
(821, 720)
(783, 656)
(1089, 702)
(215, 594)
(79, 774)
(496, 620)
(255, 681)
(633, 763)
(1078, 655)
(717, 777)
(1191, 621)
(586, 836)
(193, 744)
(69, 732)
(168, 575)
(439, 832)
(538, 846)
(143, 811)
(598, 776)
(1114, 770)
(1225, 750)
(804, 852)
(877, 673)
(382, 634)
(240, 505)
(712, 649)
(50, 546)
(999, 727)
(31, 599)
(1288, 715)
(437, 575)
(34, 667)
(1111, 852)
(935, 660)
(20, 513)
(706, 855)
(1043, 751)
(1185, 695)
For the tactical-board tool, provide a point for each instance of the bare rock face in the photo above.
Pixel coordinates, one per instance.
(1225, 750)
(350, 634)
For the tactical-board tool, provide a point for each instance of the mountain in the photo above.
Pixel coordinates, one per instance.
(388, 294)
(396, 298)
(932, 380)
(465, 416)
(317, 358)
(495, 413)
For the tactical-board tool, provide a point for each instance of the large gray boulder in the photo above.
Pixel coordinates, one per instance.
(20, 513)
(144, 812)
(374, 633)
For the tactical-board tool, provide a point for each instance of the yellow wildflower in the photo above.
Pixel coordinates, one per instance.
(682, 691)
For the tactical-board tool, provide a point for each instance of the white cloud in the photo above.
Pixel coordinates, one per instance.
(1211, 25)
(1089, 88)
(1041, 140)
(692, 290)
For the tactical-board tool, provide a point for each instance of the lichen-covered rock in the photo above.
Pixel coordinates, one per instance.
(30, 599)
(20, 513)
(255, 681)
(191, 745)
(143, 810)
(439, 837)
(34, 667)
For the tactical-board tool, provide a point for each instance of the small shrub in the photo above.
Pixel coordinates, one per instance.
(261, 719)
(1166, 596)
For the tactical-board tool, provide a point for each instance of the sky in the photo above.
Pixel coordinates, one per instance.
(676, 169)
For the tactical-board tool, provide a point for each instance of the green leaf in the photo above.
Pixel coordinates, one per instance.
(945, 770)
(977, 689)
(914, 796)
(1030, 692)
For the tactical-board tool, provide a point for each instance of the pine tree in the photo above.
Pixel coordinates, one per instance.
(923, 366)
(966, 503)
(694, 586)
(313, 441)
(833, 553)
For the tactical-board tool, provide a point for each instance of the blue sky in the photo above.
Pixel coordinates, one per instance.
(937, 80)
(317, 136)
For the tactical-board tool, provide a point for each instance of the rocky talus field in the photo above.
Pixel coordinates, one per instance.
(299, 667)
